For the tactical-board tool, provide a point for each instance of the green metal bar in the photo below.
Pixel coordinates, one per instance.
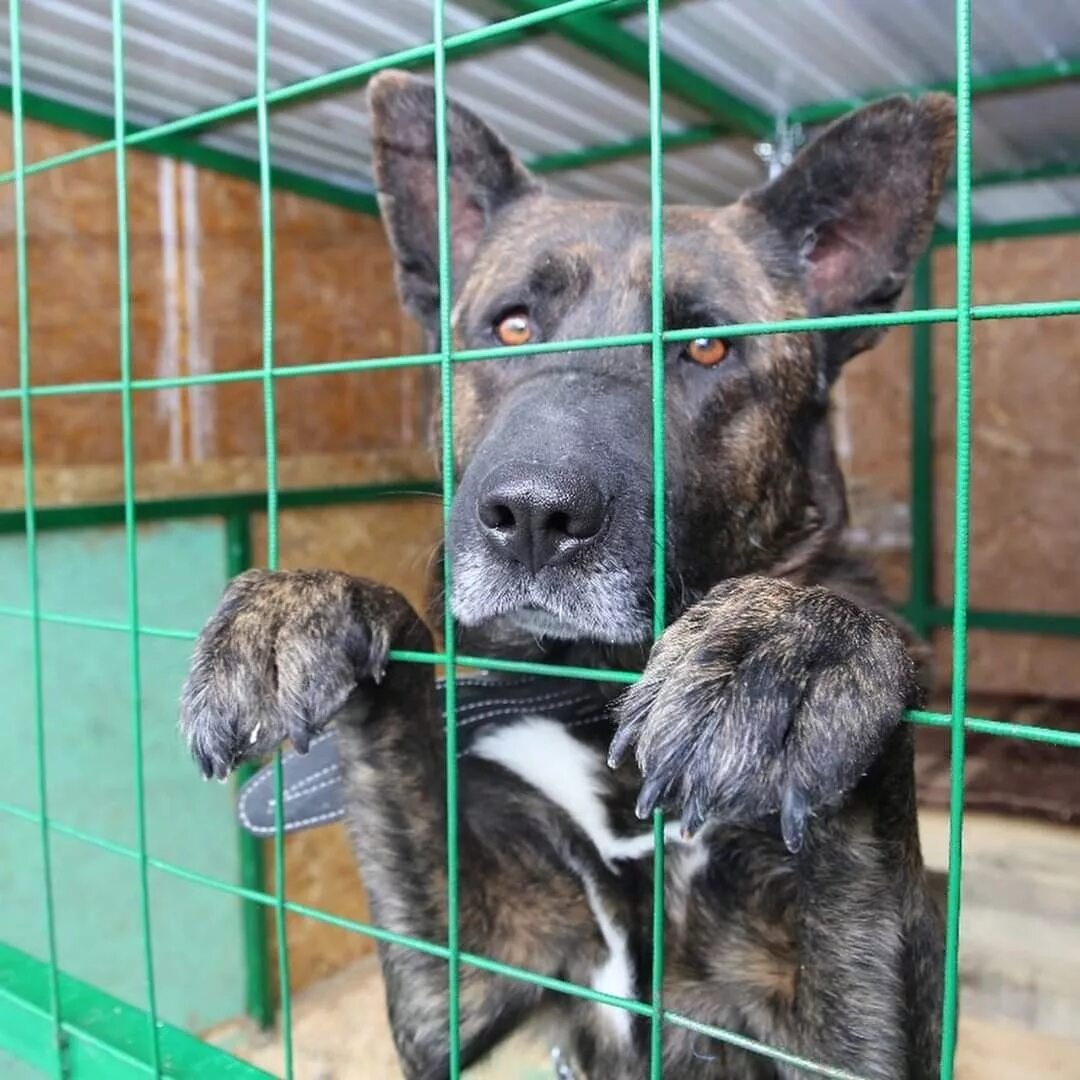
(130, 534)
(238, 556)
(659, 478)
(55, 1063)
(999, 82)
(318, 85)
(960, 536)
(629, 148)
(184, 148)
(1026, 310)
(89, 623)
(620, 9)
(105, 1035)
(446, 388)
(626, 50)
(703, 134)
(260, 1006)
(1000, 729)
(266, 230)
(226, 506)
(921, 563)
(1051, 170)
(1011, 230)
(1013, 622)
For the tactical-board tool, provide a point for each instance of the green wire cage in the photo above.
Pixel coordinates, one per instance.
(65, 1027)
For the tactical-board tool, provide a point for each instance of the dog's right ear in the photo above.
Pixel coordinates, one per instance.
(858, 205)
(485, 176)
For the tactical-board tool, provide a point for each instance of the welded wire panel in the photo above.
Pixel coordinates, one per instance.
(962, 504)
(446, 389)
(130, 535)
(274, 63)
(22, 287)
(266, 230)
(659, 522)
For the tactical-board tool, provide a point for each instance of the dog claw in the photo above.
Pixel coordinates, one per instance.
(651, 793)
(620, 744)
(695, 812)
(794, 809)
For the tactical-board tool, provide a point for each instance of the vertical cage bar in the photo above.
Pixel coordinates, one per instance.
(960, 536)
(266, 233)
(446, 380)
(252, 864)
(130, 535)
(22, 291)
(657, 349)
(921, 563)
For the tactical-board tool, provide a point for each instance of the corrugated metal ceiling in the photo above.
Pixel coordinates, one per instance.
(549, 96)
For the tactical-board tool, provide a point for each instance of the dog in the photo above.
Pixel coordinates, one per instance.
(767, 720)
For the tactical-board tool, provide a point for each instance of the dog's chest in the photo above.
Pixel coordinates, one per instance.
(571, 773)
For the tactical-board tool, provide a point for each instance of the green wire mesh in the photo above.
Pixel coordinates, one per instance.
(923, 318)
(659, 477)
(26, 422)
(960, 530)
(266, 230)
(127, 434)
(446, 388)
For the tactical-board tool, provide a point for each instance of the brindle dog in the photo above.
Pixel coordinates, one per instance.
(768, 718)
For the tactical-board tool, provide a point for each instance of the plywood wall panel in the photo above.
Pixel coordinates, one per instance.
(1025, 481)
(197, 307)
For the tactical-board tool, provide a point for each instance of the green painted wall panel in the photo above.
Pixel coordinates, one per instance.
(197, 933)
(11, 1068)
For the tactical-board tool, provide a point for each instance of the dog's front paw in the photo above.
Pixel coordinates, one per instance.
(279, 658)
(765, 697)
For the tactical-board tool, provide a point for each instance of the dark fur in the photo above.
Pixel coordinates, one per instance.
(768, 714)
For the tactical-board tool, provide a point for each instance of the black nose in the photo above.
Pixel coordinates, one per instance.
(538, 515)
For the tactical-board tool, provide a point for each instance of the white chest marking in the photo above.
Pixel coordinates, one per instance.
(567, 771)
(543, 753)
(616, 974)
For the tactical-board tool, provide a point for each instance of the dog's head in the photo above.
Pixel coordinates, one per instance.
(550, 532)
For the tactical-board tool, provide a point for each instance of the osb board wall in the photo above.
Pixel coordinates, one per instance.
(196, 306)
(1025, 485)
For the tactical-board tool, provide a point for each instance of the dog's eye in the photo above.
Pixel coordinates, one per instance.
(707, 351)
(514, 328)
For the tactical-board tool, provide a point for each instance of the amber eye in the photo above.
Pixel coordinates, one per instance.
(514, 328)
(707, 351)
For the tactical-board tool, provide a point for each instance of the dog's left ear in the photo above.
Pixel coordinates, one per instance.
(485, 177)
(858, 204)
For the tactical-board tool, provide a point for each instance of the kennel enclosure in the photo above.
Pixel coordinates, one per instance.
(670, 103)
